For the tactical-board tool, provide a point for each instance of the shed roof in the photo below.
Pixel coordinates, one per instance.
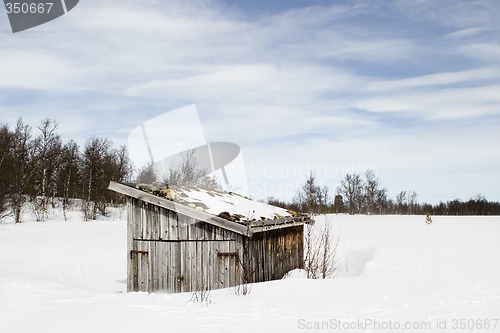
(226, 209)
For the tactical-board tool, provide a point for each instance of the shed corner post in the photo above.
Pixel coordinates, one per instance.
(130, 259)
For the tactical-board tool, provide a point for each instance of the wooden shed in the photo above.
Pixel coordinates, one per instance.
(178, 242)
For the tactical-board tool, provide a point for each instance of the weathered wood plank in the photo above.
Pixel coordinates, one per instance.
(167, 269)
(183, 227)
(193, 277)
(154, 217)
(231, 264)
(163, 227)
(186, 263)
(174, 225)
(159, 263)
(220, 265)
(136, 226)
(209, 264)
(270, 257)
(279, 256)
(300, 248)
(290, 258)
(133, 269)
(272, 254)
(199, 233)
(143, 271)
(201, 270)
(181, 278)
(153, 270)
(227, 267)
(130, 261)
(174, 266)
(253, 249)
(200, 274)
(259, 254)
(148, 257)
(283, 258)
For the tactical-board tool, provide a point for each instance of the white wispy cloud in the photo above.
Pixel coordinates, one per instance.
(439, 104)
(431, 81)
(35, 70)
(465, 33)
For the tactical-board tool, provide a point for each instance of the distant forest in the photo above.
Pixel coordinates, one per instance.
(363, 194)
(38, 170)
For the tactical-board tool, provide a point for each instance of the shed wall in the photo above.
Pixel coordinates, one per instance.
(273, 253)
(172, 252)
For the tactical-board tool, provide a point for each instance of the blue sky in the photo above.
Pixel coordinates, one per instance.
(408, 88)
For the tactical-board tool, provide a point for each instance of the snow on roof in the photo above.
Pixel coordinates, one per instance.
(228, 205)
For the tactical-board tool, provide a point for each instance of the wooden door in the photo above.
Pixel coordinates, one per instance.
(138, 270)
(229, 267)
(156, 266)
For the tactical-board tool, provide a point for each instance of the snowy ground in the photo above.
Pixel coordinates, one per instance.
(70, 276)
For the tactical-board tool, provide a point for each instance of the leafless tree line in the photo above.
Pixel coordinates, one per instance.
(363, 194)
(356, 194)
(37, 167)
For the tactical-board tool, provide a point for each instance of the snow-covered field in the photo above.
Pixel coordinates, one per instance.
(398, 275)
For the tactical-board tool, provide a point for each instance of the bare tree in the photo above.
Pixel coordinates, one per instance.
(311, 260)
(47, 148)
(370, 190)
(6, 159)
(351, 188)
(23, 170)
(188, 172)
(328, 264)
(95, 154)
(101, 164)
(311, 198)
(68, 177)
(324, 199)
(381, 201)
(412, 201)
(401, 202)
(121, 164)
(147, 174)
(120, 169)
(406, 202)
(320, 252)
